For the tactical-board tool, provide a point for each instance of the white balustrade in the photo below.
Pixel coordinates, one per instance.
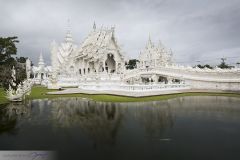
(124, 87)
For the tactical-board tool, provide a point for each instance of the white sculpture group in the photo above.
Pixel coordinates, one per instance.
(17, 92)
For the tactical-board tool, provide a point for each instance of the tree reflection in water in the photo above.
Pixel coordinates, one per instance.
(10, 115)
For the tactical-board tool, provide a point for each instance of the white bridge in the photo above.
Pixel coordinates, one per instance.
(220, 79)
(162, 78)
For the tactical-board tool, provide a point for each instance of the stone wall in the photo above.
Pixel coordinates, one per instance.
(227, 86)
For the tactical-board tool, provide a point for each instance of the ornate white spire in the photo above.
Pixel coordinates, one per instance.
(68, 37)
(149, 44)
(94, 26)
(41, 61)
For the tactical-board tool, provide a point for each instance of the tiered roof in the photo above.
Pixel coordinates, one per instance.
(98, 42)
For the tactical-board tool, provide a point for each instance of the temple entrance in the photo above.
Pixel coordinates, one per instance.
(42, 75)
(71, 70)
(110, 64)
(162, 79)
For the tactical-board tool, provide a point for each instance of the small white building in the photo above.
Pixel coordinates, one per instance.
(41, 72)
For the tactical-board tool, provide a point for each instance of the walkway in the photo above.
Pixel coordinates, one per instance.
(130, 93)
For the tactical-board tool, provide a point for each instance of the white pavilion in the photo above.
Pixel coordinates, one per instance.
(41, 72)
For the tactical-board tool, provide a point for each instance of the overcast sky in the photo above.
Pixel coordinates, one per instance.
(196, 30)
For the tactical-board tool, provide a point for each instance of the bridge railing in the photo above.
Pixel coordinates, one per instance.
(122, 87)
(188, 73)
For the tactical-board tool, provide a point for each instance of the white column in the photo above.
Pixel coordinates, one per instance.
(104, 66)
(169, 80)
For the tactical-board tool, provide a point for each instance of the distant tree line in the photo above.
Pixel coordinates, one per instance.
(7, 50)
(222, 65)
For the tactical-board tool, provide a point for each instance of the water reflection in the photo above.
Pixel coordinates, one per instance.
(98, 120)
(207, 106)
(155, 117)
(102, 121)
(80, 127)
(11, 114)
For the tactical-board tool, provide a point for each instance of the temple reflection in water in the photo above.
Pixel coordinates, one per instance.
(101, 122)
(138, 130)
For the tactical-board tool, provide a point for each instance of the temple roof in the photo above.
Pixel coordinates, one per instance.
(98, 42)
(46, 69)
(152, 52)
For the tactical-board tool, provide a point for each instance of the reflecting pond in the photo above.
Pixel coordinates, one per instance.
(197, 127)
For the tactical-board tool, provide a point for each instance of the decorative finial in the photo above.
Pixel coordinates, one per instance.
(149, 44)
(94, 26)
(149, 38)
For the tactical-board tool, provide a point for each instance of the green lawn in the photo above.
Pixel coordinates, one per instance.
(3, 99)
(39, 92)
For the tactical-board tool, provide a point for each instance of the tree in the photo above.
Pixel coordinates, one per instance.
(21, 59)
(223, 65)
(204, 66)
(7, 48)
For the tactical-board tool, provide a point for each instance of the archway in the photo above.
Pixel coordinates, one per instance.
(110, 64)
(71, 69)
(42, 75)
(162, 79)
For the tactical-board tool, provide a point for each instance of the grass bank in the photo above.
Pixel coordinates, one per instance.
(39, 92)
(3, 99)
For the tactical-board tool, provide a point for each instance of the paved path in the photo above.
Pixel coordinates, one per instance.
(131, 93)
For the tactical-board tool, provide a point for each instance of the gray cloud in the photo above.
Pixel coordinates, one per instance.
(195, 30)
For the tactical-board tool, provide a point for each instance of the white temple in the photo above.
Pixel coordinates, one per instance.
(97, 59)
(99, 53)
(98, 63)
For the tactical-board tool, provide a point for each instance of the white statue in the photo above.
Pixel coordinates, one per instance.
(18, 94)
(28, 68)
